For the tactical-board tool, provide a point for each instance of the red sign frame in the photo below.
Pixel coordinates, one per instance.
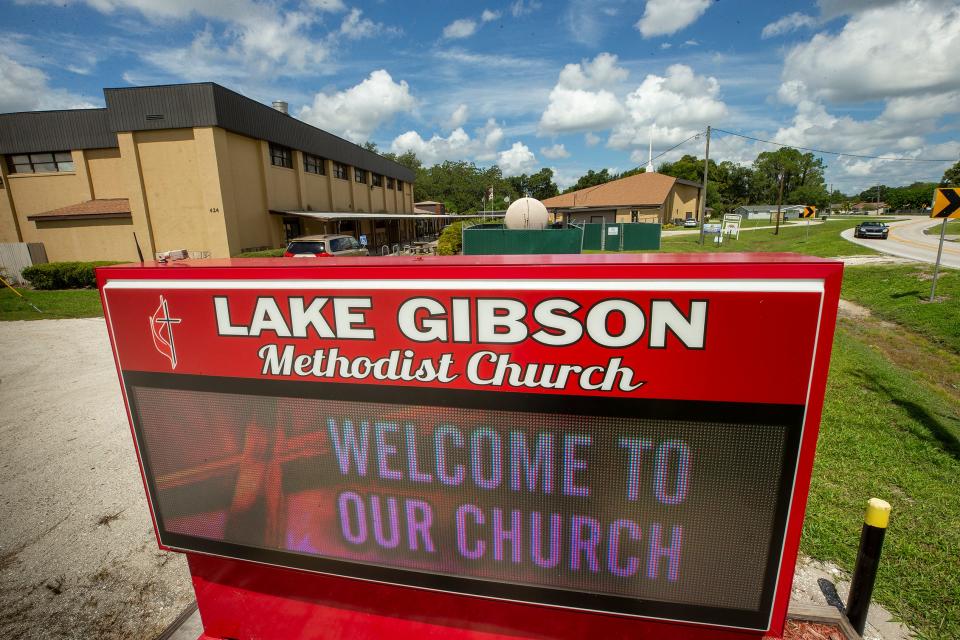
(789, 301)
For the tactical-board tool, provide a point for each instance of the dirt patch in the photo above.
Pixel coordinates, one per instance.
(877, 259)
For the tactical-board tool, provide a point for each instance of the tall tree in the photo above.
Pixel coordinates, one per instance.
(591, 179)
(951, 177)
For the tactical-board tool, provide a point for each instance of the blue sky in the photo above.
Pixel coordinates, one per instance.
(526, 83)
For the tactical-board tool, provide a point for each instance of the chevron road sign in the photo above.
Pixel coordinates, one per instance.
(946, 203)
(809, 212)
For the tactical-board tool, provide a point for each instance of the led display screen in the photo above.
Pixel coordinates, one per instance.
(675, 509)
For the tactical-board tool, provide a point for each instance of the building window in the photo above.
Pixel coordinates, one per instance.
(634, 216)
(314, 164)
(360, 175)
(46, 162)
(340, 170)
(281, 156)
(399, 185)
(391, 183)
(377, 180)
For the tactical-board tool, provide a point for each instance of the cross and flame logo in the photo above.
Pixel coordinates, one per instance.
(161, 328)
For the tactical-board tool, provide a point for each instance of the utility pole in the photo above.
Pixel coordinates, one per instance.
(703, 196)
(776, 231)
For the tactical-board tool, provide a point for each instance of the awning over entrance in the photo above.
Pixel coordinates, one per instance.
(337, 215)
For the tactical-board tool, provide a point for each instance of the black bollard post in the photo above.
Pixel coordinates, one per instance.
(868, 559)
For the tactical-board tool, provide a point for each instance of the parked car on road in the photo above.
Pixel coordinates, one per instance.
(871, 230)
(325, 246)
(690, 223)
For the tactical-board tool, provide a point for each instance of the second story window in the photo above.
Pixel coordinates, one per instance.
(340, 170)
(377, 180)
(46, 162)
(281, 156)
(314, 164)
(360, 175)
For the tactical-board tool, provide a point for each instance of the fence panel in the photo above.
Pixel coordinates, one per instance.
(17, 256)
(491, 242)
(640, 235)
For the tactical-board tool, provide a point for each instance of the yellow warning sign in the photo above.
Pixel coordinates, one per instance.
(809, 212)
(946, 203)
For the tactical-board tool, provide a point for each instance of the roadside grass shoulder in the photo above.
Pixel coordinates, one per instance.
(818, 240)
(66, 303)
(883, 436)
(899, 293)
(953, 227)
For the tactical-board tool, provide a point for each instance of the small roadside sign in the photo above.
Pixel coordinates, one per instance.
(808, 212)
(946, 203)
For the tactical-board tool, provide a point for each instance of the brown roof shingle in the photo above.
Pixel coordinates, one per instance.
(650, 189)
(102, 208)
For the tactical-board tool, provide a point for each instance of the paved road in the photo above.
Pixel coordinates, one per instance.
(907, 240)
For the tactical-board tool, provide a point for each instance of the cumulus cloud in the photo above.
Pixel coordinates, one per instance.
(26, 88)
(555, 152)
(462, 28)
(591, 140)
(676, 105)
(788, 23)
(356, 112)
(458, 117)
(582, 99)
(663, 17)
(489, 16)
(458, 145)
(516, 160)
(870, 58)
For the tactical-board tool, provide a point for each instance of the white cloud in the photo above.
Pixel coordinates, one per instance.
(591, 140)
(330, 6)
(458, 117)
(665, 45)
(458, 145)
(871, 58)
(582, 99)
(676, 105)
(663, 17)
(691, 43)
(356, 27)
(26, 88)
(788, 23)
(489, 16)
(524, 7)
(357, 112)
(555, 152)
(516, 160)
(462, 28)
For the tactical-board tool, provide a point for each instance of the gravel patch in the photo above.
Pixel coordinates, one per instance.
(78, 555)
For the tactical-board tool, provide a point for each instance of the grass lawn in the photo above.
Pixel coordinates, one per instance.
(953, 228)
(824, 240)
(884, 435)
(70, 303)
(899, 293)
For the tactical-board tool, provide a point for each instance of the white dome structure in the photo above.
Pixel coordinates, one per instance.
(526, 213)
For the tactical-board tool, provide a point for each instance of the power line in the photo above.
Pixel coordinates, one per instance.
(833, 153)
(696, 135)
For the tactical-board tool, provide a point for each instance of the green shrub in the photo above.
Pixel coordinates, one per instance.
(266, 253)
(451, 240)
(64, 275)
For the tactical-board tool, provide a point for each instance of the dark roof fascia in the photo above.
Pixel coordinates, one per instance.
(38, 131)
(78, 216)
(690, 183)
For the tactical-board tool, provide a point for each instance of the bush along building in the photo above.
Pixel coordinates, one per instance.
(190, 166)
